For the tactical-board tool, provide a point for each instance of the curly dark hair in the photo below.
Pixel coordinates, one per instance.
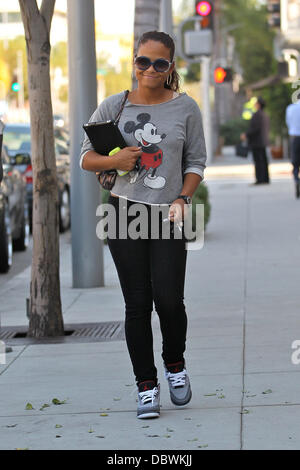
(167, 41)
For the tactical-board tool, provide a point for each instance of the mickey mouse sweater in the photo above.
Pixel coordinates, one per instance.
(172, 141)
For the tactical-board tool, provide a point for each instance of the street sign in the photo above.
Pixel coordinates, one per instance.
(198, 42)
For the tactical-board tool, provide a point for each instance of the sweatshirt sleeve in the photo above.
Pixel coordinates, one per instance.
(194, 152)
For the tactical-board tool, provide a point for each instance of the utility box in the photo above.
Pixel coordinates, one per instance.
(198, 43)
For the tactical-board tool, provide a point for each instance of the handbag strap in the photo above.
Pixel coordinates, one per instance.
(122, 107)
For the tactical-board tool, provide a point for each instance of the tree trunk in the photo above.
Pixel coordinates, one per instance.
(45, 302)
(146, 18)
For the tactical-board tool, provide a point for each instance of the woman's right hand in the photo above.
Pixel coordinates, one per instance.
(126, 158)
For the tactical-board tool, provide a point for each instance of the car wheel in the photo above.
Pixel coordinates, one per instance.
(6, 248)
(64, 211)
(21, 243)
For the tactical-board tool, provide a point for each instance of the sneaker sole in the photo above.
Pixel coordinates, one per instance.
(182, 403)
(152, 414)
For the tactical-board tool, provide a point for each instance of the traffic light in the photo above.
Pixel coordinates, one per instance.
(222, 75)
(15, 86)
(205, 10)
(273, 7)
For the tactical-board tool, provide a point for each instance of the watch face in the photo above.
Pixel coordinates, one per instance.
(186, 199)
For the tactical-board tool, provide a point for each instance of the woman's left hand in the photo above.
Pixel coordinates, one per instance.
(177, 211)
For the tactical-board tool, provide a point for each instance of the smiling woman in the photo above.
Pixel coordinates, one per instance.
(163, 130)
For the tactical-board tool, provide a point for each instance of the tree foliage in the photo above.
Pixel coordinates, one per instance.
(253, 38)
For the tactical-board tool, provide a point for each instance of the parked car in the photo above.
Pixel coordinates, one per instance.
(17, 140)
(61, 133)
(14, 220)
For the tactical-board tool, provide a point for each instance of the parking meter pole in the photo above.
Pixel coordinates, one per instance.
(206, 115)
(166, 17)
(87, 249)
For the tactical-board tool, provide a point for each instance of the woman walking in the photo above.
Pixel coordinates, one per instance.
(163, 129)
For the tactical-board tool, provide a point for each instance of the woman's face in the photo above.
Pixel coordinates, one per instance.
(150, 78)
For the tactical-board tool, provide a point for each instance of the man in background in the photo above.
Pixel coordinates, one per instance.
(292, 118)
(257, 136)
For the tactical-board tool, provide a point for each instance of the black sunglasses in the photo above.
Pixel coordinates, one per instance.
(159, 65)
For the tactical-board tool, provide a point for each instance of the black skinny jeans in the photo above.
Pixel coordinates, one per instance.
(151, 270)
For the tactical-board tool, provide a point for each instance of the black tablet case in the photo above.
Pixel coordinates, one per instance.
(104, 136)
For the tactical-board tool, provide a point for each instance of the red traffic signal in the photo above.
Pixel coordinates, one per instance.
(204, 10)
(222, 75)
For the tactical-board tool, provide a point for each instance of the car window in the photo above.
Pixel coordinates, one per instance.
(61, 147)
(17, 139)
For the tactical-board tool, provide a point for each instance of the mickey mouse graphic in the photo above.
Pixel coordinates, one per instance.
(146, 134)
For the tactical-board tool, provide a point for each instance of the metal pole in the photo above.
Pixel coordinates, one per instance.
(87, 249)
(207, 125)
(166, 17)
(20, 77)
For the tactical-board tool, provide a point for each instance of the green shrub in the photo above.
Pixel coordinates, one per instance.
(232, 130)
(201, 196)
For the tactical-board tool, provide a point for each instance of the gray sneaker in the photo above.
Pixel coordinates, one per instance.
(180, 387)
(148, 403)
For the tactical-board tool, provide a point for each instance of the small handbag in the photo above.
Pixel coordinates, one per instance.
(107, 178)
(242, 149)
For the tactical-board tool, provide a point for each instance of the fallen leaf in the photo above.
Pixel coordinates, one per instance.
(203, 446)
(29, 406)
(45, 405)
(101, 437)
(267, 391)
(221, 396)
(103, 414)
(192, 440)
(210, 395)
(170, 430)
(58, 426)
(245, 412)
(56, 401)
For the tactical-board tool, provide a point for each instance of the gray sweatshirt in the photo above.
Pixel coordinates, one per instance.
(172, 140)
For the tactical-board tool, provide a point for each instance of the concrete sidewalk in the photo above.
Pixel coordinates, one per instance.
(242, 300)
